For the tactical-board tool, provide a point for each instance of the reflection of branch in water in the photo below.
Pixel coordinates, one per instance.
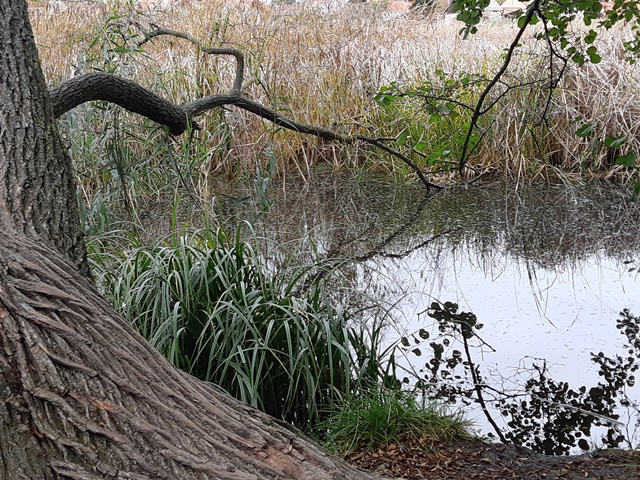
(581, 411)
(409, 223)
(477, 386)
(377, 251)
(334, 260)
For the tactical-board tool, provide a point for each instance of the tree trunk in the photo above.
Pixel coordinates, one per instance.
(82, 396)
(37, 192)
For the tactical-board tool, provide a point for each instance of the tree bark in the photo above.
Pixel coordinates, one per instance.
(37, 192)
(124, 92)
(82, 396)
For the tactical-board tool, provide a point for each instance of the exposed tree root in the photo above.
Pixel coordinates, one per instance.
(94, 400)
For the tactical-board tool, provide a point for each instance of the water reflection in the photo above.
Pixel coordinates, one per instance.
(549, 225)
(546, 269)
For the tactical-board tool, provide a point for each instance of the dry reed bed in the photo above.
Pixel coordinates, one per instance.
(321, 63)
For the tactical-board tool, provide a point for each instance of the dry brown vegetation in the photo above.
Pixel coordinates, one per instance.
(322, 63)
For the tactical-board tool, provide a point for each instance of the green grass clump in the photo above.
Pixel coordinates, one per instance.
(386, 417)
(206, 301)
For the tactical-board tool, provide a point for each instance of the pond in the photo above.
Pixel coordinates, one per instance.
(545, 268)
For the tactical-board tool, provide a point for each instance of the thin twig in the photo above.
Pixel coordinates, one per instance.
(464, 156)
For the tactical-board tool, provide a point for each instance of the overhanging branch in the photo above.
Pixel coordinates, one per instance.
(137, 99)
(121, 91)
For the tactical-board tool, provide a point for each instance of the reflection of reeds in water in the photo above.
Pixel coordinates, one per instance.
(541, 227)
(549, 225)
(363, 218)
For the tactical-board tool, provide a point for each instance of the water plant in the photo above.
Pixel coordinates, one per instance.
(207, 302)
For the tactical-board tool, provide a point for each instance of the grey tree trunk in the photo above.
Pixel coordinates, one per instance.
(82, 396)
(37, 194)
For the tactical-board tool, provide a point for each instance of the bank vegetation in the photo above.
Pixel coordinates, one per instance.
(359, 69)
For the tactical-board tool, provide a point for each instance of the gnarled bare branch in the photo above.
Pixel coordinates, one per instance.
(237, 84)
(124, 92)
(137, 99)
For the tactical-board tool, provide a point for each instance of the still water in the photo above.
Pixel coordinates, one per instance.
(546, 269)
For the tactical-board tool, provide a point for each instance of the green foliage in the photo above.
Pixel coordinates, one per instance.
(614, 145)
(434, 116)
(564, 43)
(385, 417)
(558, 18)
(206, 302)
(469, 12)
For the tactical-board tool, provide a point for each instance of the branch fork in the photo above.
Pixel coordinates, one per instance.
(137, 99)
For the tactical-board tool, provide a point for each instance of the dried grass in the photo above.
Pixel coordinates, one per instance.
(322, 62)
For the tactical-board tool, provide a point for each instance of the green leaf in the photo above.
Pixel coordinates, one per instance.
(615, 142)
(521, 21)
(586, 130)
(628, 160)
(402, 138)
(420, 147)
(578, 58)
(384, 100)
